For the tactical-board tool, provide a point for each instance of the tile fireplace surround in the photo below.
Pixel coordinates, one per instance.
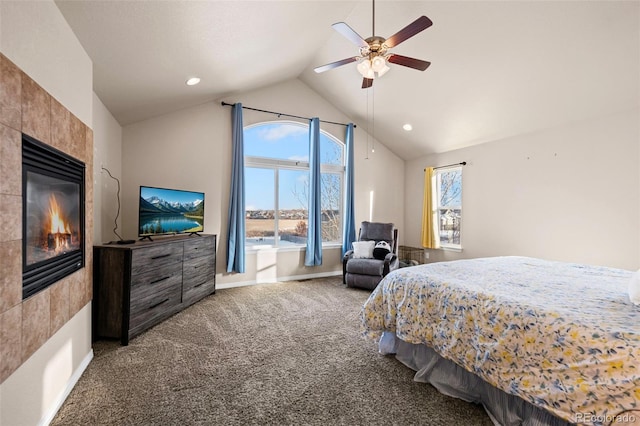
(26, 325)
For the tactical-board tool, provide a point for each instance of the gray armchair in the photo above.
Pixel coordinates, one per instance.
(367, 273)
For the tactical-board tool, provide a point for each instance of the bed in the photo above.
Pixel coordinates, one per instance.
(536, 342)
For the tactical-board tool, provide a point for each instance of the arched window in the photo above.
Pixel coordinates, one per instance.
(276, 160)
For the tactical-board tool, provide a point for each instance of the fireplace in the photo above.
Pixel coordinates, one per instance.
(53, 215)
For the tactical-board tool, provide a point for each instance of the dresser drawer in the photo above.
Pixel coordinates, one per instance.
(147, 284)
(152, 257)
(151, 310)
(199, 247)
(148, 297)
(197, 271)
(194, 294)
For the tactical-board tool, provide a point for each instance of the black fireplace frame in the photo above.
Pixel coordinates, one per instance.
(45, 160)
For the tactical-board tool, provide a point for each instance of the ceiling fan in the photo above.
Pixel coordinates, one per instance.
(374, 51)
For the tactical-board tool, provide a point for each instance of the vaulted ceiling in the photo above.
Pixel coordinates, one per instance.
(497, 68)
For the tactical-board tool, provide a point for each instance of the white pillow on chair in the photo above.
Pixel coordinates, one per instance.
(363, 249)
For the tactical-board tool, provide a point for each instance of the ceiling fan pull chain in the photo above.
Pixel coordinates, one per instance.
(368, 130)
(373, 119)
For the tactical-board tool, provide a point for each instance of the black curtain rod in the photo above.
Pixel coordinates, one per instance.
(464, 163)
(280, 114)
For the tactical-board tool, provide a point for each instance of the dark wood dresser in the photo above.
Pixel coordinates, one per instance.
(139, 285)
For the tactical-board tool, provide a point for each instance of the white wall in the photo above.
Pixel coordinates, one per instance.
(35, 37)
(570, 193)
(33, 393)
(107, 153)
(191, 149)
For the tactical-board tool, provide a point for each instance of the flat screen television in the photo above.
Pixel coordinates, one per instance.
(165, 211)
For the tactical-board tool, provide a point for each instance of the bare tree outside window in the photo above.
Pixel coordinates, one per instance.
(330, 195)
(331, 198)
(449, 187)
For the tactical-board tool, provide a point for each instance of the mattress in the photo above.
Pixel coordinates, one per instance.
(562, 336)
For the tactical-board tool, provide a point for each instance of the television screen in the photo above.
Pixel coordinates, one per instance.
(169, 211)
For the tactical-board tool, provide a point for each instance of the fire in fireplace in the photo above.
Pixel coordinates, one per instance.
(53, 215)
(59, 235)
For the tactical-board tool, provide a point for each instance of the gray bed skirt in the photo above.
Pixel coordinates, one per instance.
(452, 380)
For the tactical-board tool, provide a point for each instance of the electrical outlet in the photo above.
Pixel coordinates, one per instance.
(426, 255)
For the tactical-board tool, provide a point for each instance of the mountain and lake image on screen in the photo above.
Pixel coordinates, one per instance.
(169, 211)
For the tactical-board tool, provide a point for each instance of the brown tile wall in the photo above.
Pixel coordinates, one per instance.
(26, 325)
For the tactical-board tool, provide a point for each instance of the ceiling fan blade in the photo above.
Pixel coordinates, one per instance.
(367, 82)
(335, 64)
(350, 34)
(420, 24)
(406, 61)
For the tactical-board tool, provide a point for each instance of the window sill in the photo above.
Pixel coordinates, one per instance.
(454, 249)
(270, 248)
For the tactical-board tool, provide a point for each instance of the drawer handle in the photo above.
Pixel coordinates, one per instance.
(160, 279)
(158, 304)
(161, 256)
(201, 284)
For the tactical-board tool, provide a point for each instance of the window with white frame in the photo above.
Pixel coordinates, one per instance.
(448, 191)
(276, 160)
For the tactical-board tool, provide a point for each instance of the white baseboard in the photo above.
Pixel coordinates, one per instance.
(48, 417)
(280, 279)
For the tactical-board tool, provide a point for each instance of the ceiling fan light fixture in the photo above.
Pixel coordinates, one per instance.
(378, 63)
(363, 67)
(383, 71)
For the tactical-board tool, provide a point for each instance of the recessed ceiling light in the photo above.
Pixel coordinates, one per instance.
(408, 127)
(193, 81)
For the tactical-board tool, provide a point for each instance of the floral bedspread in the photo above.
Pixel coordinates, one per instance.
(562, 336)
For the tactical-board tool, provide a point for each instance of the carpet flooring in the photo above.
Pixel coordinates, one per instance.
(273, 354)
